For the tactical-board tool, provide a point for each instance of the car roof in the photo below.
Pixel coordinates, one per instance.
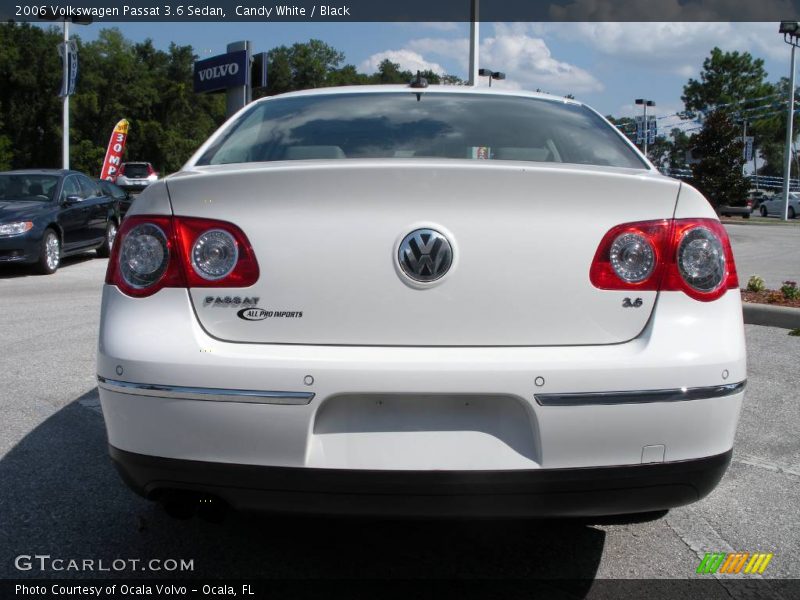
(57, 172)
(431, 89)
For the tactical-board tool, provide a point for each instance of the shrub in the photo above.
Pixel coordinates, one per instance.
(756, 284)
(790, 290)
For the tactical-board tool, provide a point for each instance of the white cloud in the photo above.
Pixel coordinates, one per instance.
(686, 71)
(669, 10)
(676, 46)
(456, 49)
(407, 59)
(440, 26)
(528, 62)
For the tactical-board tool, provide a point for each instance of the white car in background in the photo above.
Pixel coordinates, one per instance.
(135, 176)
(774, 205)
(421, 300)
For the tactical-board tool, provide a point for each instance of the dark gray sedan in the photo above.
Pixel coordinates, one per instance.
(46, 214)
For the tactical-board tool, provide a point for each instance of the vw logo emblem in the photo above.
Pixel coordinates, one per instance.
(425, 255)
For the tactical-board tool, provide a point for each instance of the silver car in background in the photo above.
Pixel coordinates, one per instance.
(773, 206)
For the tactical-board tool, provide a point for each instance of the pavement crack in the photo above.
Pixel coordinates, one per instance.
(700, 537)
(763, 463)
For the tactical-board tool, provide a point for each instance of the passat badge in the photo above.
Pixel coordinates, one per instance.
(252, 314)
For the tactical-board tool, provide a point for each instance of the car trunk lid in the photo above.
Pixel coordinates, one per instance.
(326, 237)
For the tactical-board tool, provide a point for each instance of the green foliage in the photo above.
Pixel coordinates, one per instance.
(668, 152)
(727, 77)
(718, 175)
(756, 284)
(30, 109)
(738, 81)
(5, 150)
(626, 125)
(790, 290)
(770, 132)
(151, 88)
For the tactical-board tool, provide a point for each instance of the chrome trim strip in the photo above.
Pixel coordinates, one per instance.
(640, 396)
(209, 394)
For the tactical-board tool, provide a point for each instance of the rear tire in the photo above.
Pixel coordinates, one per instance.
(104, 251)
(49, 253)
(763, 211)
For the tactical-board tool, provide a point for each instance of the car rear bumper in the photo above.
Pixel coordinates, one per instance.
(735, 210)
(584, 430)
(578, 492)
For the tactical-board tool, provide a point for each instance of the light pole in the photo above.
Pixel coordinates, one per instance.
(66, 51)
(491, 75)
(65, 111)
(474, 42)
(645, 129)
(791, 33)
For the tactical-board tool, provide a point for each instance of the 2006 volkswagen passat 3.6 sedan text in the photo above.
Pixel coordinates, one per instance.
(422, 300)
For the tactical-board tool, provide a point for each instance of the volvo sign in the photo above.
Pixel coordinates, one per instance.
(219, 73)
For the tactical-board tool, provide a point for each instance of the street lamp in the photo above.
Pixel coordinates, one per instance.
(491, 75)
(81, 20)
(644, 103)
(791, 35)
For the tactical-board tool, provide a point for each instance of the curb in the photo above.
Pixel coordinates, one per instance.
(771, 316)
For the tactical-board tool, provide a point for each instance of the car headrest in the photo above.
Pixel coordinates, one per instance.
(310, 152)
(35, 189)
(530, 154)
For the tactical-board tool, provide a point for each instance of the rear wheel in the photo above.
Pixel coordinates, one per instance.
(104, 251)
(763, 211)
(49, 253)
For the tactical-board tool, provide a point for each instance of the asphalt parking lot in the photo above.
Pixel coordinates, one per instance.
(59, 494)
(771, 251)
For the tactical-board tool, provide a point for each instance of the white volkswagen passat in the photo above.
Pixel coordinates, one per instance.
(422, 300)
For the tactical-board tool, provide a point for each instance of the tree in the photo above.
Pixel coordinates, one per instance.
(681, 144)
(626, 125)
(30, 109)
(768, 126)
(727, 78)
(302, 66)
(718, 175)
(659, 152)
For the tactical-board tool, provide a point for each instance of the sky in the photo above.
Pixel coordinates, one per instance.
(606, 65)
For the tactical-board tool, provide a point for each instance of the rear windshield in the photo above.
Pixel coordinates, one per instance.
(27, 187)
(440, 125)
(135, 170)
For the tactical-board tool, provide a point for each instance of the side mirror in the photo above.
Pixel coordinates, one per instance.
(71, 200)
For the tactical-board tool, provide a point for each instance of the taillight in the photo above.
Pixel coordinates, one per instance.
(631, 256)
(689, 255)
(154, 252)
(702, 264)
(215, 253)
